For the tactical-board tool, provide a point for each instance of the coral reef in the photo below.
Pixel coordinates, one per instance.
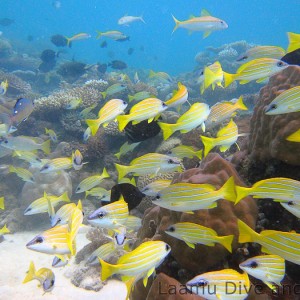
(268, 133)
(167, 145)
(5, 49)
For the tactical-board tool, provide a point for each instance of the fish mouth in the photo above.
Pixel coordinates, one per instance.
(37, 240)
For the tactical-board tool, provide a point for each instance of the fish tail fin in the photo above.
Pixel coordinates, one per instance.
(79, 205)
(4, 229)
(99, 34)
(130, 98)
(151, 74)
(51, 211)
(142, 19)
(228, 190)
(105, 174)
(240, 104)
(2, 203)
(241, 193)
(199, 154)
(70, 243)
(129, 285)
(228, 79)
(177, 22)
(123, 121)
(69, 42)
(294, 137)
(93, 125)
(65, 197)
(226, 241)
(103, 94)
(46, 147)
(30, 274)
(209, 143)
(107, 269)
(122, 170)
(246, 233)
(118, 155)
(294, 41)
(168, 129)
(209, 77)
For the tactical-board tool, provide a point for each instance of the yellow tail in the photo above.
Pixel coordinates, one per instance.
(107, 269)
(2, 203)
(240, 104)
(65, 197)
(209, 77)
(122, 170)
(123, 121)
(241, 193)
(294, 41)
(226, 241)
(30, 274)
(199, 154)
(129, 285)
(228, 78)
(46, 147)
(103, 94)
(4, 230)
(176, 23)
(93, 125)
(168, 129)
(209, 144)
(152, 74)
(228, 190)
(118, 155)
(294, 137)
(105, 174)
(246, 234)
(130, 98)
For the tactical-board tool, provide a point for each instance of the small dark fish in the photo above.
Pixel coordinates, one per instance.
(22, 110)
(141, 131)
(30, 38)
(130, 51)
(59, 40)
(132, 195)
(127, 38)
(103, 44)
(48, 55)
(6, 22)
(101, 68)
(118, 65)
(292, 58)
(47, 67)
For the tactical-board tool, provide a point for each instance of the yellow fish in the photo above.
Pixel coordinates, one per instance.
(73, 104)
(279, 188)
(183, 151)
(102, 252)
(4, 230)
(194, 117)
(2, 206)
(270, 269)
(85, 112)
(259, 69)
(113, 89)
(140, 96)
(156, 186)
(110, 216)
(187, 197)
(284, 244)
(192, 233)
(112, 34)
(147, 109)
(107, 113)
(44, 275)
(226, 284)
(262, 51)
(77, 37)
(52, 135)
(3, 87)
(222, 111)
(57, 164)
(28, 156)
(205, 23)
(24, 174)
(294, 137)
(161, 76)
(151, 163)
(179, 97)
(226, 137)
(294, 41)
(133, 223)
(213, 76)
(287, 102)
(125, 148)
(77, 160)
(99, 192)
(90, 182)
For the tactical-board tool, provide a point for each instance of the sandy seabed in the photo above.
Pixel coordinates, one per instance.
(14, 263)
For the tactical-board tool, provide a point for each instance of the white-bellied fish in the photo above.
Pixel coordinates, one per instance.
(25, 143)
(205, 23)
(29, 157)
(73, 104)
(156, 186)
(192, 233)
(287, 102)
(4, 230)
(294, 41)
(213, 76)
(133, 223)
(102, 252)
(44, 275)
(183, 151)
(3, 87)
(112, 34)
(226, 137)
(223, 284)
(147, 109)
(260, 52)
(57, 164)
(125, 148)
(293, 207)
(91, 181)
(77, 160)
(259, 69)
(279, 188)
(85, 112)
(113, 89)
(270, 269)
(78, 37)
(99, 192)
(22, 110)
(86, 135)
(284, 244)
(51, 133)
(160, 76)
(110, 216)
(179, 97)
(187, 197)
(222, 111)
(140, 96)
(40, 205)
(294, 137)
(126, 20)
(24, 174)
(150, 163)
(107, 113)
(194, 117)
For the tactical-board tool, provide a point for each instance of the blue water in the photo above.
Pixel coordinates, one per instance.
(261, 22)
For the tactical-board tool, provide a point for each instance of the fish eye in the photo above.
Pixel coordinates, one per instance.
(164, 105)
(273, 106)
(201, 282)
(171, 229)
(157, 196)
(58, 220)
(167, 247)
(290, 203)
(5, 141)
(45, 167)
(170, 161)
(253, 265)
(124, 103)
(39, 240)
(244, 57)
(52, 282)
(280, 64)
(100, 215)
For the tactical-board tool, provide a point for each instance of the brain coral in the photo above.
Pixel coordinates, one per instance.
(268, 133)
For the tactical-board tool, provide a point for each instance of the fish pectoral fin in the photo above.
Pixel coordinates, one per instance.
(261, 80)
(213, 205)
(271, 285)
(206, 34)
(149, 273)
(189, 212)
(150, 120)
(105, 124)
(224, 148)
(191, 245)
(244, 81)
(203, 127)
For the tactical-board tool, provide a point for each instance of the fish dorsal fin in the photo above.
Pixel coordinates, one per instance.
(204, 13)
(206, 34)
